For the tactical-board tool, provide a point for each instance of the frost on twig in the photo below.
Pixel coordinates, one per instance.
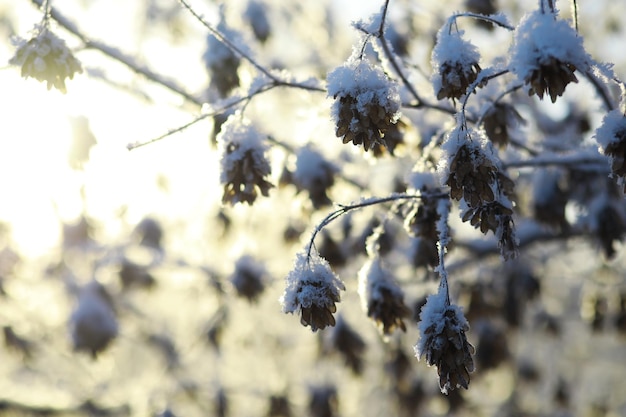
(312, 290)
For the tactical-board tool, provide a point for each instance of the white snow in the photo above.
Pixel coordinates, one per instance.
(452, 49)
(238, 137)
(541, 37)
(308, 283)
(368, 84)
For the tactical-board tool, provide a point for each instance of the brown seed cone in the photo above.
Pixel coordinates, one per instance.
(497, 121)
(471, 182)
(450, 352)
(617, 152)
(349, 344)
(367, 128)
(425, 253)
(389, 312)
(243, 179)
(422, 220)
(551, 77)
(394, 137)
(456, 78)
(319, 315)
(486, 217)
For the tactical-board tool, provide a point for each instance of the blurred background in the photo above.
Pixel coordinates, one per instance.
(188, 288)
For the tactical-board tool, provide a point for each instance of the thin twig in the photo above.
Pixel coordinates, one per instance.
(391, 58)
(221, 109)
(343, 209)
(599, 86)
(482, 17)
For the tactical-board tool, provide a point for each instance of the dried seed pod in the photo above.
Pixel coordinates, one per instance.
(492, 347)
(133, 275)
(344, 340)
(249, 278)
(46, 57)
(150, 233)
(497, 121)
(382, 298)
(312, 290)
(244, 167)
(455, 63)
(443, 342)
(323, 402)
(611, 136)
(256, 14)
(367, 103)
(221, 62)
(546, 52)
(279, 406)
(315, 175)
(93, 324)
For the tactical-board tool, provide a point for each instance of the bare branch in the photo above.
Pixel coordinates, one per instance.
(119, 56)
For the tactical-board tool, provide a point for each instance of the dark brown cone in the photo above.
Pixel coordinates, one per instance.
(473, 183)
(611, 228)
(319, 316)
(617, 151)
(450, 352)
(552, 78)
(350, 346)
(370, 126)
(456, 78)
(497, 121)
(390, 312)
(244, 178)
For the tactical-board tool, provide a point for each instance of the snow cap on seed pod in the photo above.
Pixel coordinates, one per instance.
(46, 57)
(367, 102)
(243, 162)
(93, 324)
(545, 53)
(312, 290)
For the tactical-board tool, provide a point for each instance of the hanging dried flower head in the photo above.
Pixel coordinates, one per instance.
(470, 167)
(46, 57)
(546, 52)
(611, 136)
(93, 324)
(367, 102)
(497, 121)
(249, 277)
(315, 175)
(221, 62)
(312, 290)
(382, 298)
(244, 167)
(347, 342)
(455, 63)
(443, 342)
